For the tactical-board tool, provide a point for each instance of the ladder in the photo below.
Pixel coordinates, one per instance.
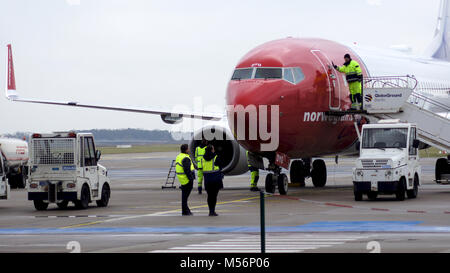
(170, 180)
(397, 98)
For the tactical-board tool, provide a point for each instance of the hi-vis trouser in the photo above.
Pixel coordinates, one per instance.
(199, 153)
(355, 94)
(254, 174)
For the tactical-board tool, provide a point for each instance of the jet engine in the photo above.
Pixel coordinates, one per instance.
(231, 156)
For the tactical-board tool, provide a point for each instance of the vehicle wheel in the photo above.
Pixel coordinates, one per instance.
(319, 173)
(283, 184)
(269, 183)
(40, 205)
(85, 198)
(441, 168)
(358, 196)
(106, 193)
(296, 172)
(400, 194)
(415, 191)
(372, 196)
(63, 204)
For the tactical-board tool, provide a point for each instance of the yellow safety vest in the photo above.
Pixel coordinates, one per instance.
(352, 71)
(199, 153)
(209, 166)
(182, 177)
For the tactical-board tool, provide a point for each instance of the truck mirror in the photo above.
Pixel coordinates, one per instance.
(358, 145)
(98, 155)
(416, 144)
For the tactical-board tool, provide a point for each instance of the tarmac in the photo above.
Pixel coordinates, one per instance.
(143, 218)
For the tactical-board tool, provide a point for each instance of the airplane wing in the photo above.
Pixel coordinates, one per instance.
(167, 116)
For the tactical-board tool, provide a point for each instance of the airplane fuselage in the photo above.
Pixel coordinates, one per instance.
(304, 129)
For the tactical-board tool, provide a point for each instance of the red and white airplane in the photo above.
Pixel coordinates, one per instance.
(294, 75)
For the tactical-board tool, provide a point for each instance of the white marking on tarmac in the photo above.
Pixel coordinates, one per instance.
(274, 244)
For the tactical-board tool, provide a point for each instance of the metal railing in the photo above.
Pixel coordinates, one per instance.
(407, 81)
(425, 103)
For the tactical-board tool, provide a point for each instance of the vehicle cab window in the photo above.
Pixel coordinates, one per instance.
(412, 137)
(89, 152)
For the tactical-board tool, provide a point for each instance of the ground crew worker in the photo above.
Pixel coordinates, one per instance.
(254, 176)
(213, 178)
(199, 153)
(185, 174)
(353, 74)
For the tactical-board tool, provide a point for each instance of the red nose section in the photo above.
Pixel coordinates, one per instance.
(304, 128)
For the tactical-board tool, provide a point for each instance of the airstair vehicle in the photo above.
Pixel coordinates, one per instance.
(400, 98)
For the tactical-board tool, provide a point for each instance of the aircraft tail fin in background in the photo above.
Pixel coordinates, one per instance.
(440, 46)
(11, 92)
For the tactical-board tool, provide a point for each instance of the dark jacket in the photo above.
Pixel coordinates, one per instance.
(187, 169)
(214, 180)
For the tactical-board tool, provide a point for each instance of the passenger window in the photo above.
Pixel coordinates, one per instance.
(298, 75)
(287, 76)
(412, 137)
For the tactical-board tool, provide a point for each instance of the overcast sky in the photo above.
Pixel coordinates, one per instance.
(161, 53)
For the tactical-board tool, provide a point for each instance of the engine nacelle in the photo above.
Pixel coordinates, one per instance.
(227, 148)
(171, 119)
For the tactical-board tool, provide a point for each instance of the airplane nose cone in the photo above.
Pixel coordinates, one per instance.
(250, 92)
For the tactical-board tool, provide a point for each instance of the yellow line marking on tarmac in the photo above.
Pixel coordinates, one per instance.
(155, 214)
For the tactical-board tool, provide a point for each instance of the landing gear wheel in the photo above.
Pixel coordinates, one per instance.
(415, 191)
(372, 196)
(283, 184)
(442, 167)
(40, 205)
(296, 173)
(269, 183)
(85, 197)
(319, 173)
(358, 196)
(63, 205)
(400, 194)
(106, 193)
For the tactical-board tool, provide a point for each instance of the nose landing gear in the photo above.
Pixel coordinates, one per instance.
(276, 180)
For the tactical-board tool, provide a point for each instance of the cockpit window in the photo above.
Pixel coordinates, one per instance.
(292, 75)
(242, 74)
(269, 73)
(288, 75)
(298, 74)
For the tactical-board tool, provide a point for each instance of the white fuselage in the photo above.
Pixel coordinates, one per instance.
(429, 72)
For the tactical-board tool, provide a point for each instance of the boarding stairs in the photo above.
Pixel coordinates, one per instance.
(170, 180)
(399, 98)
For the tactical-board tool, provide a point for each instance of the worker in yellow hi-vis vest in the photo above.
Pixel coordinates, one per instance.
(354, 77)
(199, 153)
(254, 175)
(185, 174)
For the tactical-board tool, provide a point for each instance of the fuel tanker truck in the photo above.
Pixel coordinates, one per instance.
(13, 162)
